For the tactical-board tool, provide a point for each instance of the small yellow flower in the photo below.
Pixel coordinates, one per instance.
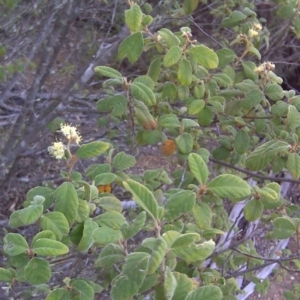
(257, 26)
(57, 150)
(71, 133)
(252, 33)
(265, 68)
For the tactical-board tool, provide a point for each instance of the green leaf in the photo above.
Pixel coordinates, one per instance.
(87, 239)
(265, 153)
(169, 91)
(169, 121)
(185, 240)
(143, 93)
(110, 254)
(170, 284)
(44, 234)
(255, 51)
(37, 271)
(92, 149)
(130, 230)
(293, 117)
(58, 294)
(286, 11)
(283, 228)
(211, 292)
(229, 186)
(280, 108)
(83, 212)
(159, 249)
(14, 244)
(225, 56)
(184, 286)
(202, 215)
(149, 282)
(146, 80)
(127, 284)
(172, 56)
(81, 290)
(105, 178)
(274, 92)
(7, 275)
(234, 19)
(112, 219)
(223, 80)
(267, 192)
(116, 104)
(195, 107)
(198, 167)
(189, 6)
(184, 73)
(183, 92)
(29, 214)
(67, 201)
(179, 203)
(76, 234)
(105, 235)
(123, 161)
(188, 123)
(108, 72)
(205, 117)
(253, 210)
(195, 252)
(204, 56)
(154, 69)
(56, 222)
(252, 98)
(249, 68)
(45, 192)
(110, 203)
(49, 247)
(185, 143)
(133, 18)
(132, 47)
(169, 37)
(242, 142)
(143, 197)
(293, 165)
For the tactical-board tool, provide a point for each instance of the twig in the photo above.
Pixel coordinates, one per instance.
(253, 174)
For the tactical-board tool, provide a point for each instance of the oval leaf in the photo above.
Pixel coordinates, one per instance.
(92, 149)
(184, 73)
(204, 56)
(14, 244)
(133, 18)
(48, 247)
(198, 167)
(143, 197)
(37, 271)
(229, 186)
(253, 210)
(67, 201)
(108, 72)
(172, 56)
(132, 47)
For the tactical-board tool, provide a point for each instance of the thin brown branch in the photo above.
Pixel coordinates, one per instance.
(253, 174)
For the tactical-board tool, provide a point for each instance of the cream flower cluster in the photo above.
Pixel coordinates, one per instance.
(254, 31)
(57, 150)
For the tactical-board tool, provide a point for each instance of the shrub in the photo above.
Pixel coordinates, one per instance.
(211, 107)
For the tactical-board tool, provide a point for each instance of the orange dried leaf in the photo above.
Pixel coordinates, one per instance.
(168, 147)
(104, 188)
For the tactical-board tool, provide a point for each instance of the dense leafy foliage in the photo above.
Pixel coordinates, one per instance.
(204, 105)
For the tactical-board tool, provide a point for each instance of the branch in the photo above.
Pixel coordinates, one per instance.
(253, 174)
